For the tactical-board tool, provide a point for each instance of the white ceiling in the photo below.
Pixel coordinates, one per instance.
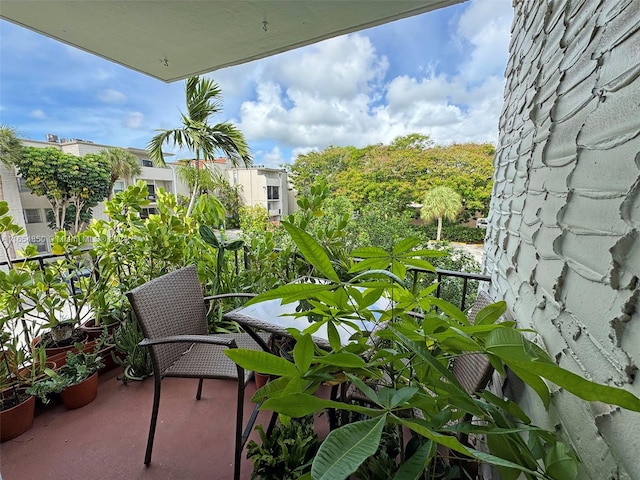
(174, 39)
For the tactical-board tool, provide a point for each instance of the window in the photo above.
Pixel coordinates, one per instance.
(145, 212)
(32, 215)
(146, 163)
(152, 192)
(22, 185)
(273, 193)
(41, 244)
(118, 187)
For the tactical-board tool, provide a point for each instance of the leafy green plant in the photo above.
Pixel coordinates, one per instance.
(415, 388)
(80, 366)
(286, 453)
(137, 360)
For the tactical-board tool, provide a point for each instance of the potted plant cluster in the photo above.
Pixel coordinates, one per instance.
(76, 381)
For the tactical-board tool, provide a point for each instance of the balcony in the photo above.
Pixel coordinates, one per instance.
(106, 439)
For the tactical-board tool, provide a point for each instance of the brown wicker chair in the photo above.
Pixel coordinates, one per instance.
(171, 311)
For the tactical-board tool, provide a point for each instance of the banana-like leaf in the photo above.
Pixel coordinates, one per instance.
(312, 251)
(262, 362)
(208, 236)
(344, 449)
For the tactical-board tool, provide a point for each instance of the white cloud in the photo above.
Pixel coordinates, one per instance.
(271, 158)
(134, 120)
(112, 96)
(336, 92)
(38, 113)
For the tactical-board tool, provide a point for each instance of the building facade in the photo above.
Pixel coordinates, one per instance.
(563, 240)
(31, 210)
(259, 185)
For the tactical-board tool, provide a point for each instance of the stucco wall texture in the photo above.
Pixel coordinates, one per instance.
(563, 245)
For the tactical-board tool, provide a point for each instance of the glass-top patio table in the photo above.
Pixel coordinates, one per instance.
(272, 316)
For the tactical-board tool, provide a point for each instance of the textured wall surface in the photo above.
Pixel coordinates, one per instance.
(563, 244)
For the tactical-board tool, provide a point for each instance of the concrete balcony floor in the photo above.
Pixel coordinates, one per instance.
(107, 438)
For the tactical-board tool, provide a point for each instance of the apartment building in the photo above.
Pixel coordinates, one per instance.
(31, 210)
(259, 185)
(268, 187)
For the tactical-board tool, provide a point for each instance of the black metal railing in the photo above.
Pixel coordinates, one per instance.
(241, 259)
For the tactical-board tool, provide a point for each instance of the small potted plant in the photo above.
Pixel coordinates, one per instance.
(287, 452)
(16, 406)
(76, 381)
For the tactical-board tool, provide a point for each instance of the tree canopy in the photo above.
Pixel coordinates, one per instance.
(401, 172)
(73, 185)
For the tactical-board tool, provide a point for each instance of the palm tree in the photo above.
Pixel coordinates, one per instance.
(440, 202)
(122, 163)
(203, 99)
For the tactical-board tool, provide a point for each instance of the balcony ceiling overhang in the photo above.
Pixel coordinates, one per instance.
(171, 40)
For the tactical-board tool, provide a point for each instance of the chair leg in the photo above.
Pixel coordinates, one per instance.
(154, 419)
(199, 393)
(239, 416)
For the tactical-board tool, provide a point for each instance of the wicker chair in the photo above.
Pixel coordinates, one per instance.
(171, 311)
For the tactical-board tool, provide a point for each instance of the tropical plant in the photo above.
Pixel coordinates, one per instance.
(413, 386)
(122, 164)
(438, 203)
(203, 100)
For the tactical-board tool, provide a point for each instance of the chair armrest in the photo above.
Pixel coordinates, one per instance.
(229, 295)
(208, 339)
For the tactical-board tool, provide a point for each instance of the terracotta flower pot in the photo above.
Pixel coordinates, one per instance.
(261, 379)
(80, 394)
(16, 420)
(95, 331)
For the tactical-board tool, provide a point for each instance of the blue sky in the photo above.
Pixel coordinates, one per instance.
(439, 74)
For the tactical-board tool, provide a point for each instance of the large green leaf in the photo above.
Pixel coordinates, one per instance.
(312, 251)
(413, 468)
(422, 428)
(301, 404)
(209, 236)
(344, 449)
(560, 464)
(303, 353)
(343, 359)
(291, 292)
(490, 313)
(262, 362)
(528, 361)
(451, 310)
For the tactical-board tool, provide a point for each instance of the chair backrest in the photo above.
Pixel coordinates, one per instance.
(170, 305)
(473, 370)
